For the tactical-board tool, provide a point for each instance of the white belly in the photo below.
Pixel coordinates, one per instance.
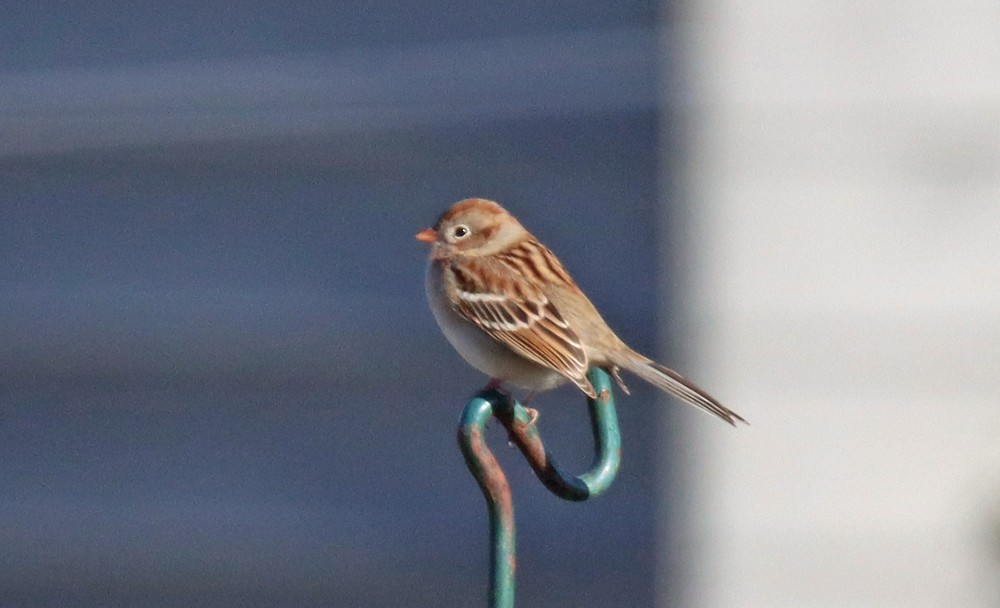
(480, 350)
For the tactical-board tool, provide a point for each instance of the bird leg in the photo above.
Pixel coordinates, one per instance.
(495, 384)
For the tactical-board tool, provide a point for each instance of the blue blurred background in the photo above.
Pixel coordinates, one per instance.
(219, 381)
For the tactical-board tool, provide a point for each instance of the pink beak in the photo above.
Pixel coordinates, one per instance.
(427, 236)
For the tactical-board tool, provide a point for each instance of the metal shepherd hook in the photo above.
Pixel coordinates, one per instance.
(524, 433)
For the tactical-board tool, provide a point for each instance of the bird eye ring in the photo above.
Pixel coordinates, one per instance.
(460, 232)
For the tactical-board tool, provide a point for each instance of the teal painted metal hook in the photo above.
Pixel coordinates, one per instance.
(524, 433)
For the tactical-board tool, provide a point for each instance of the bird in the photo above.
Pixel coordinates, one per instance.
(511, 309)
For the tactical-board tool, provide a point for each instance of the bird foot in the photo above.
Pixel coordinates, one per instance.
(618, 379)
(532, 415)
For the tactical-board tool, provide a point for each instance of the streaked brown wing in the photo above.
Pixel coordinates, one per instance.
(506, 305)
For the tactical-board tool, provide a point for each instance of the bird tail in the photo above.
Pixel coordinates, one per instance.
(673, 383)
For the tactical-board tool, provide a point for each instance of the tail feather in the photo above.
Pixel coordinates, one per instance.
(671, 382)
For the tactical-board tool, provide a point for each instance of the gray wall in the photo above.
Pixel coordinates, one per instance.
(844, 162)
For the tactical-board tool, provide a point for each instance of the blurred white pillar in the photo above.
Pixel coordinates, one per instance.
(841, 222)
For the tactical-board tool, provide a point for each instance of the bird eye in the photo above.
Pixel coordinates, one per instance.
(460, 232)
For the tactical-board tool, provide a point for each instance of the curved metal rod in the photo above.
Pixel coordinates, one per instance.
(524, 433)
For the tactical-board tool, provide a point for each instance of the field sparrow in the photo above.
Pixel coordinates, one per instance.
(508, 306)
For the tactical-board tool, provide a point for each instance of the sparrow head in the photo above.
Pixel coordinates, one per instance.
(473, 227)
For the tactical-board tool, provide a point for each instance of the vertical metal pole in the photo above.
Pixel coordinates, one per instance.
(524, 433)
(485, 468)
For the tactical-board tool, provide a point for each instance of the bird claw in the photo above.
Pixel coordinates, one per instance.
(621, 384)
(532, 415)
